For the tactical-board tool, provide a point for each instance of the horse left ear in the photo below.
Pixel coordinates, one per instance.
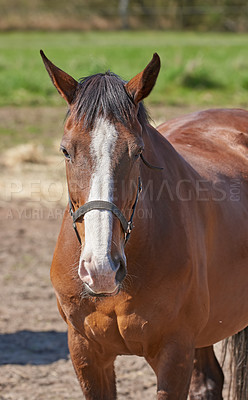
(64, 83)
(142, 84)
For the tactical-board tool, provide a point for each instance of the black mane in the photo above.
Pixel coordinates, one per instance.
(105, 95)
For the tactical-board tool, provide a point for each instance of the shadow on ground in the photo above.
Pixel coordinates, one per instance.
(34, 348)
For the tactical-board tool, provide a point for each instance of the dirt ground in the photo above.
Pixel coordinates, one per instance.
(34, 358)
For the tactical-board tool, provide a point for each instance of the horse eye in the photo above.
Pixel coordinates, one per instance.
(138, 153)
(65, 152)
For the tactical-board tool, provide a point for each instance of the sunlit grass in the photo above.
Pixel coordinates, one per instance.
(197, 68)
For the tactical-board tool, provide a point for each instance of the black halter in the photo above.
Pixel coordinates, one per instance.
(127, 226)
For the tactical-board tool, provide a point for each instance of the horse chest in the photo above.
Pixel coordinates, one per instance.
(125, 334)
(132, 327)
(135, 332)
(98, 326)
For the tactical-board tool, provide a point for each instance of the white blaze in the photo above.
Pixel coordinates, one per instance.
(98, 223)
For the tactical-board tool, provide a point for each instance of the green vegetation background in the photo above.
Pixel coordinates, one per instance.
(209, 69)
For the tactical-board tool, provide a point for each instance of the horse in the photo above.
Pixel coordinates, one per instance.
(151, 258)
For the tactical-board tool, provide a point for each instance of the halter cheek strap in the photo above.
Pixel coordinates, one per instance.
(127, 226)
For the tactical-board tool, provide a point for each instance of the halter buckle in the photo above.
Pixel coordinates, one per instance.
(129, 227)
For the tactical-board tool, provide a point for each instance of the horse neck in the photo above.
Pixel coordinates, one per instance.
(165, 192)
(159, 152)
(155, 212)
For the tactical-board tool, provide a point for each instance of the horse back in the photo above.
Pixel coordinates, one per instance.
(214, 142)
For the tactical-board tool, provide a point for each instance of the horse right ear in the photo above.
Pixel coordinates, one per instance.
(64, 83)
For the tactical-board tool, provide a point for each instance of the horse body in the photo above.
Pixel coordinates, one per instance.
(214, 142)
(183, 256)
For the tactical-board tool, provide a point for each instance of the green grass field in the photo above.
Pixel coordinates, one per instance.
(197, 68)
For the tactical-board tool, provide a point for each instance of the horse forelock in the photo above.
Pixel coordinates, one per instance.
(104, 95)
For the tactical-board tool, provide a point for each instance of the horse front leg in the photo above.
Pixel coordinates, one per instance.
(95, 373)
(207, 378)
(173, 367)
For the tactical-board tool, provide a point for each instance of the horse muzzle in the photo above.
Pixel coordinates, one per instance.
(102, 277)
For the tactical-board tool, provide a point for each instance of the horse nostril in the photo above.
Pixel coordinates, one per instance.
(121, 272)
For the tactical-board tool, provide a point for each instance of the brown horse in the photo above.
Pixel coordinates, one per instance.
(178, 282)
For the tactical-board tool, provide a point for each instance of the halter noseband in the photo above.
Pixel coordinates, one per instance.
(127, 226)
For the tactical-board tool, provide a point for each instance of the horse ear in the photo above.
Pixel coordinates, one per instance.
(141, 85)
(63, 82)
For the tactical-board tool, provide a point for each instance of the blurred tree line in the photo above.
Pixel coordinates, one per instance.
(216, 15)
(223, 15)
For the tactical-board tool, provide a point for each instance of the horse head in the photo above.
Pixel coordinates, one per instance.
(102, 145)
